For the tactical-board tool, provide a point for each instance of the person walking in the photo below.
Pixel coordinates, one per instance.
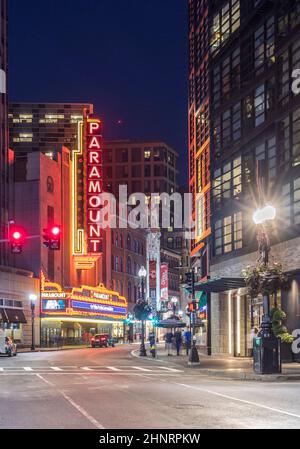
(187, 340)
(178, 342)
(169, 341)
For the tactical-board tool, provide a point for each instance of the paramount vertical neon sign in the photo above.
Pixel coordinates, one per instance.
(94, 185)
(87, 185)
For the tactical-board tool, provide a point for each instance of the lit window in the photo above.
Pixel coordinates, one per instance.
(147, 154)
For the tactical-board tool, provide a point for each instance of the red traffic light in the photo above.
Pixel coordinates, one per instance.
(55, 231)
(52, 237)
(17, 236)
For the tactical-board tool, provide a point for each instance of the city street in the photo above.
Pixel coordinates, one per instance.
(111, 389)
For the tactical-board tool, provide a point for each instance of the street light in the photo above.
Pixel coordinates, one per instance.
(33, 299)
(142, 276)
(266, 338)
(264, 214)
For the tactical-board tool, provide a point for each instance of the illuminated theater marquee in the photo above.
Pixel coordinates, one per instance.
(94, 186)
(82, 302)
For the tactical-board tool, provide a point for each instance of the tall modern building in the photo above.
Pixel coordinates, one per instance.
(44, 127)
(3, 133)
(253, 47)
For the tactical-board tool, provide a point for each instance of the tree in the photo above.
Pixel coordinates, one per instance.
(142, 310)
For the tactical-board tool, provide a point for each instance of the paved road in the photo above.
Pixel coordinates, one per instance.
(107, 388)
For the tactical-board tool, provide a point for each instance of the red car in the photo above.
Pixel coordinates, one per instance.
(100, 340)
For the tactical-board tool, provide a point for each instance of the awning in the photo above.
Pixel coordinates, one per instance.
(13, 316)
(219, 285)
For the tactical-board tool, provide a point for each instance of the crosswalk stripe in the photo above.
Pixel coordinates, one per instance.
(173, 370)
(85, 368)
(1, 369)
(142, 369)
(55, 368)
(112, 368)
(27, 368)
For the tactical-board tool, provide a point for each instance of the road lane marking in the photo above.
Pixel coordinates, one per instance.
(112, 368)
(86, 368)
(142, 369)
(243, 401)
(173, 370)
(27, 368)
(1, 369)
(56, 368)
(76, 406)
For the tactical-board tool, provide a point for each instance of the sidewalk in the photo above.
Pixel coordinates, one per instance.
(60, 348)
(228, 367)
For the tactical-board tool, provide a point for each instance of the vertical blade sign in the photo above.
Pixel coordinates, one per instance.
(94, 186)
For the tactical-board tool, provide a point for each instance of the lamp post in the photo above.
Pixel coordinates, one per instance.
(142, 276)
(32, 298)
(266, 345)
(174, 301)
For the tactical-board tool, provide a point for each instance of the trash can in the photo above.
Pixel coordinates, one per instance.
(266, 355)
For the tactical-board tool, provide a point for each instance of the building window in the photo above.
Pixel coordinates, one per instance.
(128, 242)
(136, 154)
(227, 128)
(225, 22)
(228, 234)
(202, 127)
(129, 265)
(227, 181)
(147, 154)
(264, 38)
(259, 105)
(291, 202)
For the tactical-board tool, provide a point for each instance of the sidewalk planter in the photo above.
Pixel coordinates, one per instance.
(286, 353)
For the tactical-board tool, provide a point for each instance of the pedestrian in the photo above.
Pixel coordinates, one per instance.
(187, 340)
(251, 336)
(178, 342)
(169, 341)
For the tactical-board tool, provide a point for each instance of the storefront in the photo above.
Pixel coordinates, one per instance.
(15, 308)
(73, 317)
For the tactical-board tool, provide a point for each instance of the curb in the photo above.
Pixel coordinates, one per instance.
(28, 351)
(229, 375)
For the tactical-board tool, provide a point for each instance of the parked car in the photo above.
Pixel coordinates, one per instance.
(100, 340)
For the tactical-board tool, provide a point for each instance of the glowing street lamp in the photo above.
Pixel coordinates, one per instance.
(267, 213)
(142, 276)
(267, 342)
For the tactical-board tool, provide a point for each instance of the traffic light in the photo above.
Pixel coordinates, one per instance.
(51, 237)
(192, 307)
(17, 237)
(190, 281)
(188, 278)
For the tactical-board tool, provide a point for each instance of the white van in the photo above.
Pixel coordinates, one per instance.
(7, 347)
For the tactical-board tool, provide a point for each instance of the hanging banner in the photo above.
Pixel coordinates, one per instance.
(152, 274)
(164, 281)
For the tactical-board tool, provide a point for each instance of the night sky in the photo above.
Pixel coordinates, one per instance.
(128, 57)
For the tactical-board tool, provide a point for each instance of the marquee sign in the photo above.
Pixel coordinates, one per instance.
(89, 302)
(87, 185)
